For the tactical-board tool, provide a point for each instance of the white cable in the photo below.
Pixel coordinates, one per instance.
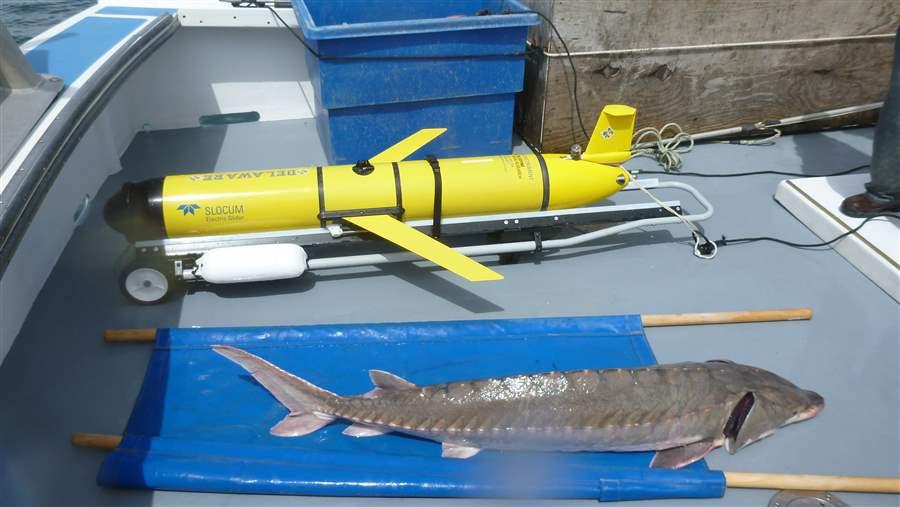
(723, 45)
(664, 149)
(765, 141)
(695, 232)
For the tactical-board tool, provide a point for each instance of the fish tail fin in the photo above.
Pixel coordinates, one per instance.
(610, 142)
(298, 395)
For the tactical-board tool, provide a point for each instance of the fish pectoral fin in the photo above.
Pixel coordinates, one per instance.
(297, 425)
(736, 420)
(359, 430)
(458, 451)
(678, 457)
(387, 380)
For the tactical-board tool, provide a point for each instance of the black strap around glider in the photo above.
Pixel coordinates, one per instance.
(321, 183)
(545, 177)
(398, 188)
(438, 196)
(362, 168)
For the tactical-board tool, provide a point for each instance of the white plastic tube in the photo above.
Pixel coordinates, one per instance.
(251, 263)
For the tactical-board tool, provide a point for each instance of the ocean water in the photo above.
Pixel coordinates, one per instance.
(26, 18)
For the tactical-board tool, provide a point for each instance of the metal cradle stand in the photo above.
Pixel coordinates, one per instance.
(173, 258)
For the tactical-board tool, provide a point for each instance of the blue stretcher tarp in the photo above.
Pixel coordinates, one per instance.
(201, 423)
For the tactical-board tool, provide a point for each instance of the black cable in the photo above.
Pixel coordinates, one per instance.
(534, 149)
(706, 247)
(724, 241)
(754, 173)
(283, 22)
(574, 73)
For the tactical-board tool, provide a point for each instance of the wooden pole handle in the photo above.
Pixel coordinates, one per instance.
(96, 440)
(140, 335)
(846, 483)
(691, 319)
(148, 334)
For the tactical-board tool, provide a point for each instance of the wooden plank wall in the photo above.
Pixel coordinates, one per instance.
(710, 88)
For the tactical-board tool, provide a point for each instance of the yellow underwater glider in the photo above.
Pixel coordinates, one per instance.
(380, 195)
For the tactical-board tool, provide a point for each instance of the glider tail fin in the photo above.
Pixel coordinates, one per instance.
(611, 140)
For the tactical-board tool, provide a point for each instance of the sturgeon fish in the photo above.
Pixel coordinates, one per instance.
(683, 411)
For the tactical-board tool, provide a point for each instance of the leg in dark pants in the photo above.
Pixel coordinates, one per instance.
(883, 192)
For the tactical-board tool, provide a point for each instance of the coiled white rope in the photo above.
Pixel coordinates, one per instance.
(722, 45)
(652, 142)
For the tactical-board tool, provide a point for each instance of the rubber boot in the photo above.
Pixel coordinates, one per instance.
(882, 194)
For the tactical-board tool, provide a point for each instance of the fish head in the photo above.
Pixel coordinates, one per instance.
(770, 403)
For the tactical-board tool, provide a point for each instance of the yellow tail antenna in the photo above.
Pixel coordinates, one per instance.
(611, 141)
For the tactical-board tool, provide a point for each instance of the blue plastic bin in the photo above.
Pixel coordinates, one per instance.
(387, 68)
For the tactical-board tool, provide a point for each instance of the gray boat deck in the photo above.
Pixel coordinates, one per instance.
(60, 377)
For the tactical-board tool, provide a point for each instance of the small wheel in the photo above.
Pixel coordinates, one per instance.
(147, 284)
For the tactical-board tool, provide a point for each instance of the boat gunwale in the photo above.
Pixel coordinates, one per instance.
(44, 163)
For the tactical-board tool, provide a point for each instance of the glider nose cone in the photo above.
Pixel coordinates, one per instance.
(135, 210)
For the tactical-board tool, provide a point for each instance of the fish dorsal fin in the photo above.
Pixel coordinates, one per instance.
(387, 381)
